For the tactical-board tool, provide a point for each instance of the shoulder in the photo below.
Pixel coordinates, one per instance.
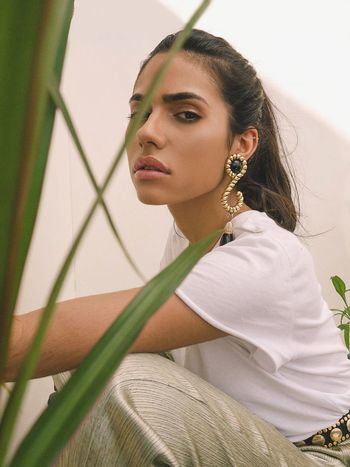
(260, 243)
(254, 266)
(261, 231)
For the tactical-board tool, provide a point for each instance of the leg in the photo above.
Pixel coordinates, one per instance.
(156, 413)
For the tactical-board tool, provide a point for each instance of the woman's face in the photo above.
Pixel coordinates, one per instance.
(186, 130)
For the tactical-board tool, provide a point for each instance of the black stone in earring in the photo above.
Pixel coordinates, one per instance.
(236, 166)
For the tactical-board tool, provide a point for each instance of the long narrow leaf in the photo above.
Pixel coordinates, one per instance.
(33, 354)
(32, 44)
(43, 37)
(60, 419)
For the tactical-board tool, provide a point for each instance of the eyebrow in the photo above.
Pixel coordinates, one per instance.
(168, 98)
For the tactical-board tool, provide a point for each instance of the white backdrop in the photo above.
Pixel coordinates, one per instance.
(300, 50)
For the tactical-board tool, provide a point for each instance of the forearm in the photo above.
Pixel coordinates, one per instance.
(74, 329)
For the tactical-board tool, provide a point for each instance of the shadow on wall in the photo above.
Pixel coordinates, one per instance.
(321, 158)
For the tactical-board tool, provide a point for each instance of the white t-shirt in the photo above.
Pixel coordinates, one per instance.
(284, 358)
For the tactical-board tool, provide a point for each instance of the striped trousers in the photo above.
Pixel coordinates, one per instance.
(153, 412)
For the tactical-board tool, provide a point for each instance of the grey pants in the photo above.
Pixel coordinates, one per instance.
(153, 412)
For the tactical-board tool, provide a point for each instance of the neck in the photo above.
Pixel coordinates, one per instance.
(199, 217)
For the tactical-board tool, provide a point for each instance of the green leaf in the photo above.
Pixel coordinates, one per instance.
(33, 38)
(60, 419)
(346, 312)
(346, 332)
(339, 286)
(31, 46)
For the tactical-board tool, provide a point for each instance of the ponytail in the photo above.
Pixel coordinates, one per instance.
(266, 185)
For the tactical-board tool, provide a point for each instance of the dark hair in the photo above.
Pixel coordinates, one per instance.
(266, 186)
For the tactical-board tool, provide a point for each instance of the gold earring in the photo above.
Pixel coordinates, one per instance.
(236, 167)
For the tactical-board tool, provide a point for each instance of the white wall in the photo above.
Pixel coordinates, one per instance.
(300, 50)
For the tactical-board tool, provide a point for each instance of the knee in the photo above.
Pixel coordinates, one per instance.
(150, 373)
(140, 370)
(139, 366)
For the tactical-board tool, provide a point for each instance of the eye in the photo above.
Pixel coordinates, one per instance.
(187, 116)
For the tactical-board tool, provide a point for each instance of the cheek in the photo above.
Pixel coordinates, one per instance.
(205, 156)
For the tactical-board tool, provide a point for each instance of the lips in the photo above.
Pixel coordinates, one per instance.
(150, 163)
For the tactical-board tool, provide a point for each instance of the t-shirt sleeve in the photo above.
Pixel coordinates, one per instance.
(243, 289)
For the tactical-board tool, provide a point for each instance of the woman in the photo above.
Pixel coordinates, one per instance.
(260, 376)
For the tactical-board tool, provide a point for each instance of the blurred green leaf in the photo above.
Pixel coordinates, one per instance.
(33, 38)
(31, 47)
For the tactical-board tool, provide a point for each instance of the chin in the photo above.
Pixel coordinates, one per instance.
(151, 198)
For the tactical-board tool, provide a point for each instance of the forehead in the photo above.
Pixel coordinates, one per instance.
(184, 74)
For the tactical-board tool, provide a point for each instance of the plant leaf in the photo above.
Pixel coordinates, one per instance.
(339, 286)
(346, 312)
(33, 38)
(63, 415)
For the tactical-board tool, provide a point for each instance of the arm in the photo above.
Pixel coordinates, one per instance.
(78, 324)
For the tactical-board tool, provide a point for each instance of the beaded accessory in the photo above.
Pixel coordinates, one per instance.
(236, 167)
(331, 436)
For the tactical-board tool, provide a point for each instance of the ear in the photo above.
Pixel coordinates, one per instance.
(245, 143)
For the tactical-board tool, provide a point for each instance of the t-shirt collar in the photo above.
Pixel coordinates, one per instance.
(247, 221)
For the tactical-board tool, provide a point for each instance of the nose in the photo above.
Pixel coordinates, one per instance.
(152, 131)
